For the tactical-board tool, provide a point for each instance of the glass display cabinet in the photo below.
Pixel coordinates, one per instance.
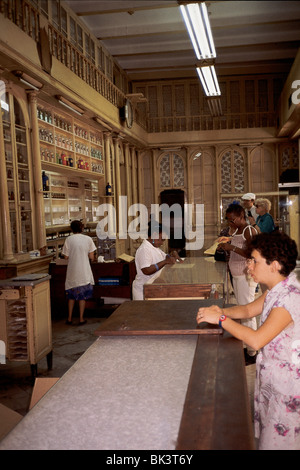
(18, 173)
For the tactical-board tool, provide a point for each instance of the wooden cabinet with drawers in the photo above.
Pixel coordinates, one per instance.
(25, 319)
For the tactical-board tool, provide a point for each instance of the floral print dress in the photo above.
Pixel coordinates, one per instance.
(277, 387)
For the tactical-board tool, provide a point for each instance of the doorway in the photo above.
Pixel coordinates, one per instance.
(171, 197)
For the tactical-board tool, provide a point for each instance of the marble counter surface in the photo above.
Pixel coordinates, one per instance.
(123, 393)
(24, 280)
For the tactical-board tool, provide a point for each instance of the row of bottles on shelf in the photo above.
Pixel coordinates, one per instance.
(91, 186)
(20, 150)
(58, 121)
(20, 134)
(95, 139)
(11, 196)
(80, 132)
(47, 195)
(21, 174)
(61, 141)
(61, 158)
(66, 125)
(67, 160)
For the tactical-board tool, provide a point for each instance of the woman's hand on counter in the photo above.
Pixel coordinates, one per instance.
(209, 314)
(170, 259)
(175, 255)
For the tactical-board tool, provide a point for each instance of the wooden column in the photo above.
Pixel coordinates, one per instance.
(189, 176)
(107, 158)
(129, 185)
(140, 177)
(128, 174)
(37, 177)
(156, 175)
(134, 179)
(4, 204)
(118, 184)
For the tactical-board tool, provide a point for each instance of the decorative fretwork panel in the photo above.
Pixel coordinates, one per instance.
(232, 172)
(226, 173)
(295, 157)
(178, 171)
(289, 158)
(285, 159)
(239, 172)
(171, 171)
(165, 171)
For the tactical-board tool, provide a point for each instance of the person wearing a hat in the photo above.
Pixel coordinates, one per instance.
(249, 206)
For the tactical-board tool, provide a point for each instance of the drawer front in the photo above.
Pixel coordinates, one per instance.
(9, 294)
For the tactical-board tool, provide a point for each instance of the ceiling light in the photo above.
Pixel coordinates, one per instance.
(68, 104)
(102, 123)
(209, 80)
(197, 23)
(27, 80)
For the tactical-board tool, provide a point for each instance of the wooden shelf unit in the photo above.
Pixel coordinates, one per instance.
(67, 142)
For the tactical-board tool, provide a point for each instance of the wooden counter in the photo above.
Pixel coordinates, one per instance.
(194, 278)
(26, 265)
(124, 272)
(152, 392)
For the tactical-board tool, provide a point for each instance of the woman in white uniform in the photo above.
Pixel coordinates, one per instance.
(149, 259)
(79, 249)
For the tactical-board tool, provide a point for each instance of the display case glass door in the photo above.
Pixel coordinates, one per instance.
(18, 174)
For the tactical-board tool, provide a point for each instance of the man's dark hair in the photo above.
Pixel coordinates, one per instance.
(76, 226)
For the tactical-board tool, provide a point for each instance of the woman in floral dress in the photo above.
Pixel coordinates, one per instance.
(277, 386)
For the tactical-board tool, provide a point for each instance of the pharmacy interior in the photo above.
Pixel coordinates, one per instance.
(82, 129)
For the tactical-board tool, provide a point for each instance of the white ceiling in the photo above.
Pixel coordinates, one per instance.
(148, 39)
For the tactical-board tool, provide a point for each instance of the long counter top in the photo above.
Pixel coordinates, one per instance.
(145, 392)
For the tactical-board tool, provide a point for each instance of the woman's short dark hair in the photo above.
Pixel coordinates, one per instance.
(76, 226)
(155, 227)
(275, 246)
(236, 209)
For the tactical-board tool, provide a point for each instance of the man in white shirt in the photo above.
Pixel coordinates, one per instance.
(248, 204)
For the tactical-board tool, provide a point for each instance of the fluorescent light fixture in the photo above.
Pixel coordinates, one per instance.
(29, 84)
(102, 123)
(209, 80)
(71, 106)
(28, 81)
(197, 23)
